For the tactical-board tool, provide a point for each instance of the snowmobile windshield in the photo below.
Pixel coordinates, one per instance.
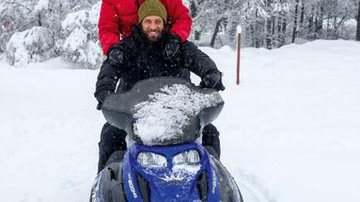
(163, 110)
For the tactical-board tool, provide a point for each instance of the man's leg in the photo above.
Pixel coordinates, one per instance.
(111, 139)
(211, 140)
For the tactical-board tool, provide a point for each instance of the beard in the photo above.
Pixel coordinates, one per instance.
(152, 35)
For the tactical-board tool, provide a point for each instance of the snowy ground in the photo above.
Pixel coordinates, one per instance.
(290, 132)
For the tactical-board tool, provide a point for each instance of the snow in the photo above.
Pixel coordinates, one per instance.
(94, 13)
(42, 5)
(189, 169)
(290, 132)
(82, 17)
(32, 45)
(76, 39)
(81, 45)
(238, 29)
(75, 20)
(163, 117)
(351, 22)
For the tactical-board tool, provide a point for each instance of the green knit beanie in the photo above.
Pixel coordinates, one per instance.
(151, 7)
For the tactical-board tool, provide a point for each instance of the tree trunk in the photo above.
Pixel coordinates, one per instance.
(197, 35)
(358, 24)
(302, 14)
(295, 21)
(311, 22)
(283, 31)
(333, 31)
(319, 19)
(269, 34)
(217, 26)
(39, 19)
(257, 40)
(279, 28)
(269, 28)
(252, 34)
(193, 9)
(273, 18)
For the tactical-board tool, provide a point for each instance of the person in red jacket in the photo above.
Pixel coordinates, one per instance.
(117, 17)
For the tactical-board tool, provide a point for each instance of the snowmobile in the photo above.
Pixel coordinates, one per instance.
(165, 160)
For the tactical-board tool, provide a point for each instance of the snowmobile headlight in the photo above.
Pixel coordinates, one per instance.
(187, 157)
(151, 160)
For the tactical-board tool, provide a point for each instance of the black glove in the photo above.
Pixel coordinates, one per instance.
(172, 46)
(212, 79)
(106, 82)
(100, 95)
(116, 55)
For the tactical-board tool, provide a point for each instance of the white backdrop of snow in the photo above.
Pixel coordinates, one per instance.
(289, 132)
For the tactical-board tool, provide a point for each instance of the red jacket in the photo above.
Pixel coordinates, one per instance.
(118, 16)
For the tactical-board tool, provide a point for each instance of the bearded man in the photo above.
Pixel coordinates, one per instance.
(144, 56)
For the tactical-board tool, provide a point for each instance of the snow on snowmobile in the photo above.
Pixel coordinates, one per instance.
(165, 161)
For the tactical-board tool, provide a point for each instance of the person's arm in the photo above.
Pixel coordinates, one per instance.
(179, 16)
(195, 60)
(108, 26)
(202, 65)
(106, 82)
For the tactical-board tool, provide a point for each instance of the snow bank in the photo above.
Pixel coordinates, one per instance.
(164, 116)
(289, 132)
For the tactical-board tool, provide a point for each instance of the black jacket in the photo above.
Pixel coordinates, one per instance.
(148, 60)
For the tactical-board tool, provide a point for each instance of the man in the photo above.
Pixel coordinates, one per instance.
(148, 60)
(117, 17)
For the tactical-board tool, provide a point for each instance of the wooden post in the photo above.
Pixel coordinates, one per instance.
(238, 55)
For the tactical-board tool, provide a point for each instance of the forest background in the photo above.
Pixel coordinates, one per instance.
(37, 30)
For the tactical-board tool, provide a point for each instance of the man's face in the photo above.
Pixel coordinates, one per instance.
(152, 26)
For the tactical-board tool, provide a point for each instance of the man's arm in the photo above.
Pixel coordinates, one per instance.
(108, 26)
(195, 60)
(106, 82)
(202, 65)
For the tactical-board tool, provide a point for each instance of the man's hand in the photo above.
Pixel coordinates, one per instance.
(104, 87)
(106, 82)
(116, 55)
(100, 96)
(172, 46)
(212, 79)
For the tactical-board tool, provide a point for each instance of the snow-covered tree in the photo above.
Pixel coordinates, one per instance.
(70, 26)
(32, 45)
(266, 23)
(253, 22)
(219, 18)
(15, 15)
(81, 44)
(23, 19)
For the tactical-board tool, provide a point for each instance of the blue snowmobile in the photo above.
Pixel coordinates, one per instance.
(164, 162)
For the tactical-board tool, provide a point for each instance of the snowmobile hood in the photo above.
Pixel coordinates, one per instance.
(170, 179)
(163, 110)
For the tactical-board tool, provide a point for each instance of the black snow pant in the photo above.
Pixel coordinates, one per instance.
(113, 139)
